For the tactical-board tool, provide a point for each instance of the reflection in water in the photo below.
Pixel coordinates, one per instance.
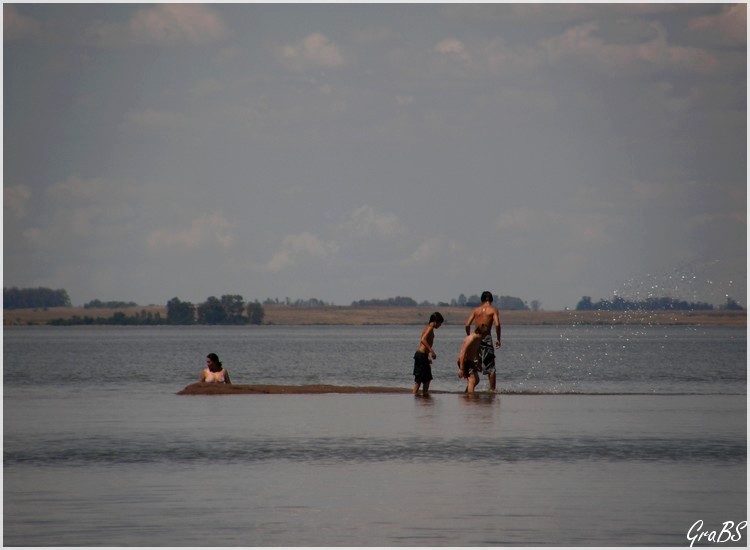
(424, 399)
(481, 398)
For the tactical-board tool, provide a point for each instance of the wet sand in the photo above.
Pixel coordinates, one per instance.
(203, 388)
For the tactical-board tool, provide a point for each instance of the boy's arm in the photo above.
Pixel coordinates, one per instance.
(469, 321)
(462, 353)
(425, 343)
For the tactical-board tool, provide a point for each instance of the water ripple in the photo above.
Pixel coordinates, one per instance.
(368, 450)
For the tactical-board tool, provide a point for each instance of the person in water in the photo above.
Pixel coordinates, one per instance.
(425, 354)
(214, 372)
(486, 316)
(469, 359)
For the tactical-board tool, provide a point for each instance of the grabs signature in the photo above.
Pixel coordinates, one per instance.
(729, 532)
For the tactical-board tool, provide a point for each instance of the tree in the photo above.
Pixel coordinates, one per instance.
(473, 301)
(255, 313)
(536, 305)
(180, 313)
(511, 303)
(732, 304)
(19, 298)
(233, 308)
(585, 304)
(211, 312)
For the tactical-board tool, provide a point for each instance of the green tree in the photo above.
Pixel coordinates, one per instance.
(233, 308)
(180, 313)
(212, 312)
(511, 303)
(20, 298)
(255, 313)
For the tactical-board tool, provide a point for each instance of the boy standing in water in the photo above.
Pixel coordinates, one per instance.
(425, 354)
(469, 364)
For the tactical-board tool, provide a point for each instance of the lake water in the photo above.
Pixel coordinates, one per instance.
(614, 436)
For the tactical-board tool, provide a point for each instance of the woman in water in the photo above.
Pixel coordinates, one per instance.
(214, 372)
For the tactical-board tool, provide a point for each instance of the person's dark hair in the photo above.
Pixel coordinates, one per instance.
(436, 318)
(215, 363)
(487, 296)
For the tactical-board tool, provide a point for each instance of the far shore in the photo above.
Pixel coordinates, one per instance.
(277, 314)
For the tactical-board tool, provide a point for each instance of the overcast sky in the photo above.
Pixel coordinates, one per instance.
(345, 152)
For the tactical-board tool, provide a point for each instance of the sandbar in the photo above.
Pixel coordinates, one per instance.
(204, 388)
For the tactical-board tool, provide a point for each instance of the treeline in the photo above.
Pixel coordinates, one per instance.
(651, 304)
(230, 309)
(508, 303)
(398, 301)
(29, 298)
(142, 317)
(505, 303)
(108, 305)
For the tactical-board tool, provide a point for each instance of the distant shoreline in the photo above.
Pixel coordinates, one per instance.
(282, 315)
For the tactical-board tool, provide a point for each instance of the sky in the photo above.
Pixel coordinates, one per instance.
(356, 151)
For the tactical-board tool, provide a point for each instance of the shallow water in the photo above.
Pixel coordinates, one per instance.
(98, 449)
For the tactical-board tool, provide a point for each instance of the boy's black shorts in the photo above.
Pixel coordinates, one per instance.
(422, 368)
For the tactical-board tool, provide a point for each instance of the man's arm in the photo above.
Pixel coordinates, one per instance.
(498, 329)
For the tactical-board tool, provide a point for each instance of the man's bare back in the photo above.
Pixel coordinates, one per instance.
(485, 317)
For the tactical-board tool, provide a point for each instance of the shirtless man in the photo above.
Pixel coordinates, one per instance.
(425, 354)
(486, 315)
(468, 358)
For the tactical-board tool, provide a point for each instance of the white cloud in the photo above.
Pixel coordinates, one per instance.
(17, 26)
(730, 25)
(314, 50)
(586, 42)
(433, 249)
(522, 226)
(299, 247)
(452, 48)
(166, 24)
(15, 199)
(208, 229)
(367, 222)
(170, 23)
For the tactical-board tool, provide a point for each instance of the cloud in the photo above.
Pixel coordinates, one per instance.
(433, 249)
(729, 26)
(585, 42)
(453, 49)
(152, 119)
(367, 222)
(166, 24)
(297, 247)
(17, 26)
(208, 229)
(15, 199)
(315, 50)
(363, 225)
(522, 226)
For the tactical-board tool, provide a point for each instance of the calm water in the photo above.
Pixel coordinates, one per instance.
(98, 449)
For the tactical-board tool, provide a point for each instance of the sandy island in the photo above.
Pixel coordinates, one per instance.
(203, 388)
